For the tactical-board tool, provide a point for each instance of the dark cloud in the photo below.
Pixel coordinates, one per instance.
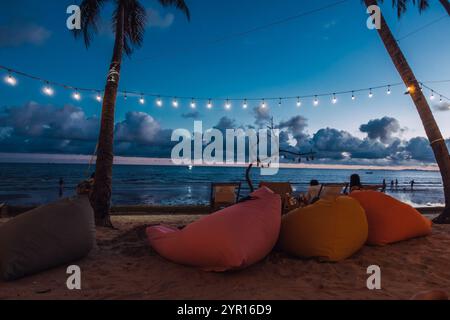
(225, 123)
(296, 126)
(18, 34)
(262, 116)
(137, 127)
(47, 129)
(381, 129)
(444, 106)
(191, 115)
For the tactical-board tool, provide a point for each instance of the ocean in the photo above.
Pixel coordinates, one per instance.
(34, 184)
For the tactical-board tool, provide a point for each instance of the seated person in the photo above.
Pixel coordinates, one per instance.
(312, 193)
(355, 183)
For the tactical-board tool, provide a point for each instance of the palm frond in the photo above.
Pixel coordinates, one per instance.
(402, 5)
(179, 4)
(90, 14)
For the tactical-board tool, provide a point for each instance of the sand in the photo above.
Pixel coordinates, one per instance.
(125, 267)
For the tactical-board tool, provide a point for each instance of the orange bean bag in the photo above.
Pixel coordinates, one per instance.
(389, 219)
(331, 230)
(233, 238)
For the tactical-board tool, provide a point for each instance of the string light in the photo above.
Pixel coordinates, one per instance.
(440, 100)
(76, 95)
(9, 79)
(299, 103)
(228, 105)
(48, 90)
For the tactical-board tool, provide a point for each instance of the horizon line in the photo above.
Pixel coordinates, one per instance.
(46, 158)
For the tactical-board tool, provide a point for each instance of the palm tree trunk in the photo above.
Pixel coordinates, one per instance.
(101, 196)
(431, 128)
(446, 5)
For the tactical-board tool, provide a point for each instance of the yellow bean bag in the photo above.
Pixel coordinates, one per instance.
(331, 230)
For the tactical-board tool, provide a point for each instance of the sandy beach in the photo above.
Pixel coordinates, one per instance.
(123, 266)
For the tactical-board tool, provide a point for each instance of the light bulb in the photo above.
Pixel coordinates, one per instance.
(228, 105)
(175, 103)
(388, 90)
(440, 100)
(209, 105)
(141, 100)
(9, 79)
(263, 104)
(370, 93)
(299, 103)
(193, 105)
(76, 95)
(245, 105)
(316, 101)
(159, 102)
(48, 90)
(279, 103)
(98, 97)
(334, 99)
(432, 95)
(353, 96)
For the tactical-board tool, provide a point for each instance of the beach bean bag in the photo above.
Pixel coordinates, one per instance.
(233, 238)
(390, 220)
(330, 230)
(46, 237)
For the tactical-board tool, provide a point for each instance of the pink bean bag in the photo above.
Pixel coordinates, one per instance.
(233, 238)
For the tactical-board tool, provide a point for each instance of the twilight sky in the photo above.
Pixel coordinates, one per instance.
(327, 51)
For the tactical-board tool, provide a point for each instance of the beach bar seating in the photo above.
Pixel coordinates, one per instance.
(224, 195)
(332, 190)
(285, 190)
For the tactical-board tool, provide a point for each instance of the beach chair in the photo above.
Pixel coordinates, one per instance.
(284, 189)
(332, 190)
(224, 195)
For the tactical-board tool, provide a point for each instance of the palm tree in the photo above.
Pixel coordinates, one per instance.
(128, 22)
(431, 128)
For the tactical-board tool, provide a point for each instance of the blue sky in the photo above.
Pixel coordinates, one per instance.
(327, 51)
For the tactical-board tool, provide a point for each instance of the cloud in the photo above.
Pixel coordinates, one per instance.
(262, 116)
(296, 126)
(381, 129)
(225, 123)
(191, 115)
(34, 128)
(137, 127)
(444, 106)
(16, 35)
(157, 20)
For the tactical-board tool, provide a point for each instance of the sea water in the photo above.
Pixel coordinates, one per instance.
(32, 184)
